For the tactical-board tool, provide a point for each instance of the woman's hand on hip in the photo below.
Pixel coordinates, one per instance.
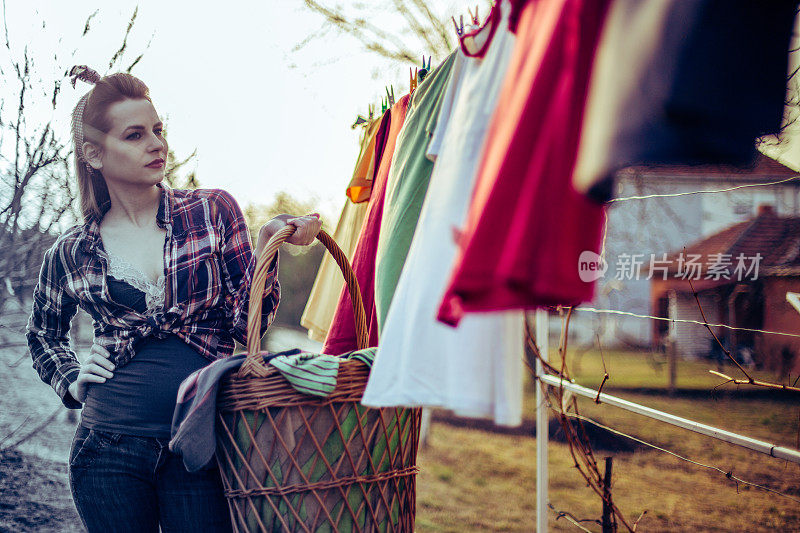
(95, 369)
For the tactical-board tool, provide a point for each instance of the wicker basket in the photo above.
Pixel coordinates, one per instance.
(294, 462)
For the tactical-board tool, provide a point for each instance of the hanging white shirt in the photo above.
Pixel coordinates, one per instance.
(476, 369)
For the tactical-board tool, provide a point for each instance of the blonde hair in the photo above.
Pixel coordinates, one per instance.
(89, 123)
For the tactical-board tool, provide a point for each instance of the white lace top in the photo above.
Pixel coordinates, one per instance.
(154, 293)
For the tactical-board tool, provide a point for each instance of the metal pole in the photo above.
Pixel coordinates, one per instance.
(734, 438)
(541, 424)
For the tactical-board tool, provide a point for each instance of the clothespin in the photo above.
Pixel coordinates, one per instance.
(459, 29)
(425, 70)
(390, 95)
(412, 79)
(475, 19)
(359, 121)
(384, 105)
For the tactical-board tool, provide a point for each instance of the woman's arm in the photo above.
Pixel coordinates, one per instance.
(239, 261)
(238, 264)
(48, 330)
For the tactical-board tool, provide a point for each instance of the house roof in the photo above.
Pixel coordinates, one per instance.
(774, 238)
(763, 170)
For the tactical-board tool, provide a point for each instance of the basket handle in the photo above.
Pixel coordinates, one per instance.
(254, 365)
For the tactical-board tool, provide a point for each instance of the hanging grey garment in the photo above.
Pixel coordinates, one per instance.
(689, 82)
(140, 399)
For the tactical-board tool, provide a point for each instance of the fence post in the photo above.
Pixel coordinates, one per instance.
(425, 427)
(542, 418)
(672, 363)
(672, 342)
(608, 523)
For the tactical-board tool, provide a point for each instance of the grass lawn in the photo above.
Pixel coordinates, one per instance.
(479, 481)
(645, 370)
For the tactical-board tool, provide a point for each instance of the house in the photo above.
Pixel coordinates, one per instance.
(661, 209)
(743, 276)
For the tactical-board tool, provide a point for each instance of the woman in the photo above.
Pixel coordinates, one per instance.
(165, 276)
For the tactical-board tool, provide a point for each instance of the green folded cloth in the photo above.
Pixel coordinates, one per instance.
(315, 373)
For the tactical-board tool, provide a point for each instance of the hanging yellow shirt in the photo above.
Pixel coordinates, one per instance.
(329, 282)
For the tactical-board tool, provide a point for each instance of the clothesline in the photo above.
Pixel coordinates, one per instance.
(648, 196)
(682, 320)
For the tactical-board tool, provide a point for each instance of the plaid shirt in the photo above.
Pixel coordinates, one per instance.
(209, 265)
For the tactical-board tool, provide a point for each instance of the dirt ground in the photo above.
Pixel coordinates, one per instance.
(34, 482)
(35, 495)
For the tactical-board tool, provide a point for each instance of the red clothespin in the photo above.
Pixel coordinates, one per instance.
(475, 19)
(412, 79)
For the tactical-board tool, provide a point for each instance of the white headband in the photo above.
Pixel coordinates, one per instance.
(84, 73)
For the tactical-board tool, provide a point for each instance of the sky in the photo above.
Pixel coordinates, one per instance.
(262, 116)
(227, 77)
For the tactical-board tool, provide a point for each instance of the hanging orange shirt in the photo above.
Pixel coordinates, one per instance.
(360, 186)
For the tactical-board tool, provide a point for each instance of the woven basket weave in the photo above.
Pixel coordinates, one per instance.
(295, 462)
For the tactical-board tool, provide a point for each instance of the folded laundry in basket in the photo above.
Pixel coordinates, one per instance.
(193, 422)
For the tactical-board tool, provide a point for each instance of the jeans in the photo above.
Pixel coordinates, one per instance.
(129, 484)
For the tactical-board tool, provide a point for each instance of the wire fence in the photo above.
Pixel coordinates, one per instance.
(557, 393)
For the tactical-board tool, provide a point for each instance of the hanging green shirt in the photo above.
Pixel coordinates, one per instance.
(408, 182)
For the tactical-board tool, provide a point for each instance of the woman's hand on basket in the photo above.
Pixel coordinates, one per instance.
(96, 368)
(307, 228)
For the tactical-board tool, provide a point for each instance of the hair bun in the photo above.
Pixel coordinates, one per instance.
(84, 73)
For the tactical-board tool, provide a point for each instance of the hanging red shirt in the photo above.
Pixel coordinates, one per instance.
(527, 226)
(342, 333)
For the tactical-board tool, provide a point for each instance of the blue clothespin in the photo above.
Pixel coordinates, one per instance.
(459, 29)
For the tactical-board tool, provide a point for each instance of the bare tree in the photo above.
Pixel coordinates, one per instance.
(420, 22)
(173, 173)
